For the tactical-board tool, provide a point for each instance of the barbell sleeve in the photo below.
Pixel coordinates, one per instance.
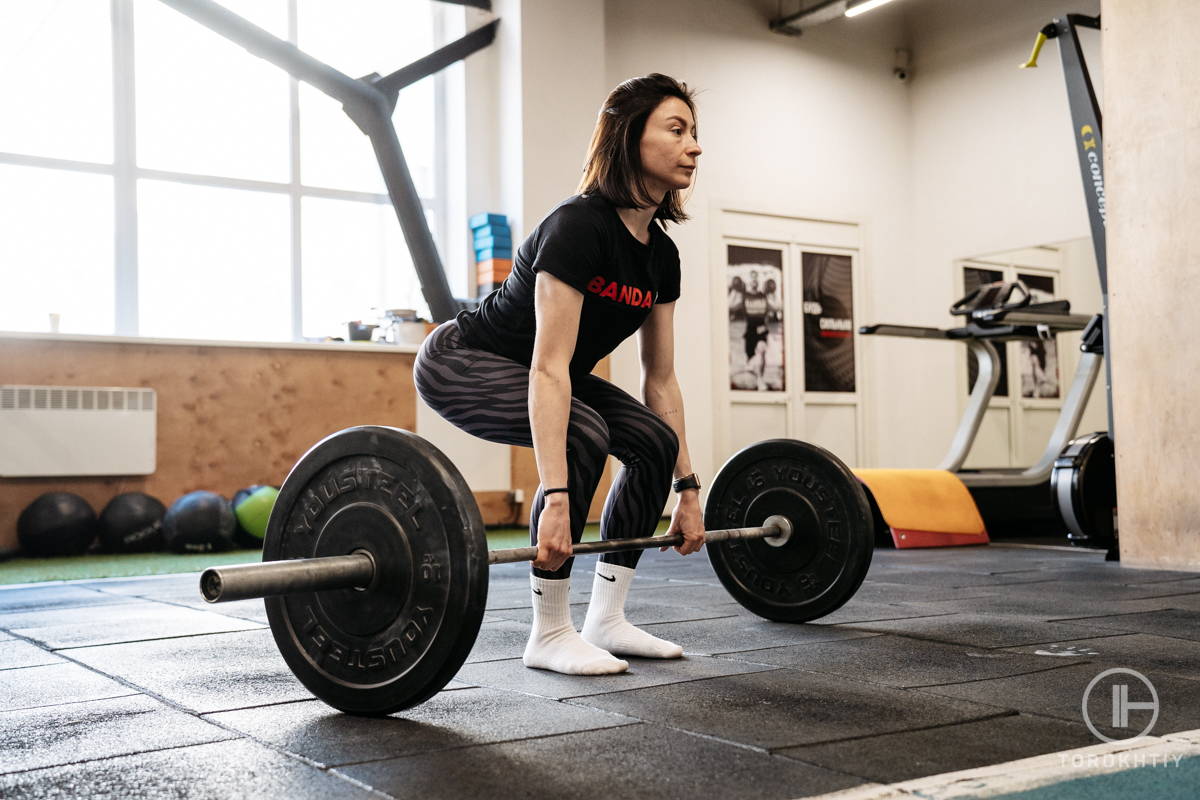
(357, 570)
(223, 584)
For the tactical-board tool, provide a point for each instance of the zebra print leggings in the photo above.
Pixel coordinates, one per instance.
(487, 395)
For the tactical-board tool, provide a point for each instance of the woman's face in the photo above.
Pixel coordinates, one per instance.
(669, 148)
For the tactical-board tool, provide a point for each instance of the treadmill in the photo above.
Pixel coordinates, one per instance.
(1015, 501)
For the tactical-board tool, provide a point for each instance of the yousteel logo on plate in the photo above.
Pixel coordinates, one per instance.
(1122, 705)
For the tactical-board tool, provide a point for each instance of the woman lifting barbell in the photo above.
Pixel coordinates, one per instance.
(516, 370)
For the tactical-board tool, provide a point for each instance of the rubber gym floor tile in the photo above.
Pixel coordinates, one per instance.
(68, 734)
(215, 672)
(1053, 608)
(1059, 693)
(1178, 623)
(54, 684)
(188, 595)
(639, 612)
(151, 585)
(874, 591)
(785, 708)
(901, 662)
(739, 633)
(447, 721)
(854, 611)
(515, 676)
(52, 596)
(15, 654)
(977, 630)
(498, 641)
(632, 761)
(914, 754)
(127, 622)
(1162, 654)
(231, 770)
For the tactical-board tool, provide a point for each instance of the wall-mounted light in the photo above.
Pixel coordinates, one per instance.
(864, 7)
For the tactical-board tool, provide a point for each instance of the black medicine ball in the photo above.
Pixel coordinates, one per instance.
(132, 523)
(199, 522)
(57, 524)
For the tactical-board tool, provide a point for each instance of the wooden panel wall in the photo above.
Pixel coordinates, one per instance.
(228, 417)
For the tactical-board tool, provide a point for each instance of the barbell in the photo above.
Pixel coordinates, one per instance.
(375, 562)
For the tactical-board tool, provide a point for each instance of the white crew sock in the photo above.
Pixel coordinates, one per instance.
(606, 626)
(554, 644)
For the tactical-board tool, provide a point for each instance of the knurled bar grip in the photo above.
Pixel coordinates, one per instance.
(517, 554)
(293, 576)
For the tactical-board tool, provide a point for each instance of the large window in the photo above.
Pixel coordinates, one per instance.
(158, 180)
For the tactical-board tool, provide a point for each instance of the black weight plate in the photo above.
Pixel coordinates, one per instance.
(397, 642)
(823, 563)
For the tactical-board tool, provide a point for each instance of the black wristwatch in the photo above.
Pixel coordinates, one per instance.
(686, 482)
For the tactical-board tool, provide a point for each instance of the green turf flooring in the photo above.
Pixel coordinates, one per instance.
(108, 565)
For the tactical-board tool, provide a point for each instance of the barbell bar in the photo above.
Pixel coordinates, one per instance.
(357, 570)
(375, 561)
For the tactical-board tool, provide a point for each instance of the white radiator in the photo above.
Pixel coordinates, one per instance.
(48, 431)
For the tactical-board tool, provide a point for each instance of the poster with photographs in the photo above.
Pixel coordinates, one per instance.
(754, 284)
(973, 278)
(1039, 357)
(828, 323)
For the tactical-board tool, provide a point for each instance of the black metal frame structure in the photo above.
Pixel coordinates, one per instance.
(370, 102)
(1086, 124)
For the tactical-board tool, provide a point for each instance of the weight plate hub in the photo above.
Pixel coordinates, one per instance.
(396, 642)
(823, 563)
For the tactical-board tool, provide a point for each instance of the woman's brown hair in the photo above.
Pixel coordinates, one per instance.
(613, 168)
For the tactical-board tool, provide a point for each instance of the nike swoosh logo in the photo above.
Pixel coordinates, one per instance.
(613, 579)
(537, 591)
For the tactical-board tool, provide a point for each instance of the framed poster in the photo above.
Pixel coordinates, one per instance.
(1039, 358)
(754, 285)
(828, 322)
(973, 278)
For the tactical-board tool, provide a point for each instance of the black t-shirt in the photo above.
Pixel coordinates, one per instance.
(585, 244)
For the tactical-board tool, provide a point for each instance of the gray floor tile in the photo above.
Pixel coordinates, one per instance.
(1163, 654)
(785, 708)
(515, 676)
(68, 734)
(902, 662)
(744, 632)
(216, 672)
(54, 684)
(51, 596)
(917, 754)
(978, 630)
(232, 770)
(1059, 693)
(448, 720)
(1174, 622)
(66, 615)
(639, 612)
(123, 622)
(632, 761)
(499, 640)
(15, 653)
(878, 591)
(160, 586)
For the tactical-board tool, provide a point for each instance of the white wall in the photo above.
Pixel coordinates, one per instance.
(970, 156)
(994, 169)
(810, 127)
